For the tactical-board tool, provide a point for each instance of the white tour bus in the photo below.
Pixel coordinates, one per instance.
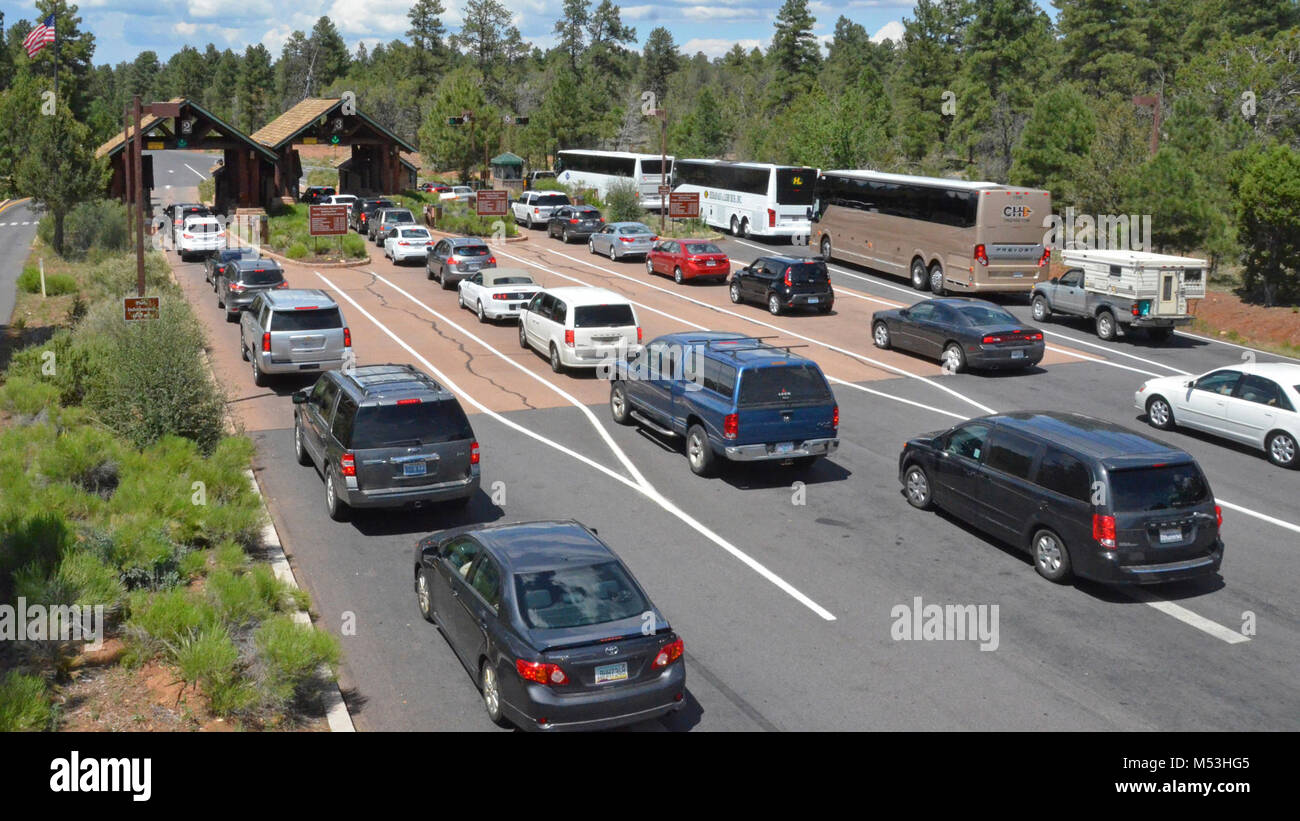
(751, 198)
(944, 235)
(601, 169)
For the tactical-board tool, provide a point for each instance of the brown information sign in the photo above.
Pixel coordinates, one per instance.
(492, 203)
(327, 220)
(683, 205)
(140, 308)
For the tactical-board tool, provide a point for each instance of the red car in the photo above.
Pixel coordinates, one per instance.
(684, 259)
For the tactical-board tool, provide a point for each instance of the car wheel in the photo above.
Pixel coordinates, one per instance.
(916, 484)
(259, 378)
(1051, 559)
(556, 365)
(460, 298)
(744, 228)
(920, 277)
(424, 596)
(826, 248)
(1106, 326)
(565, 236)
(492, 695)
(613, 255)
(530, 222)
(443, 281)
(936, 280)
(954, 358)
(699, 455)
(300, 447)
(336, 507)
(677, 275)
(880, 335)
(1282, 451)
(774, 304)
(591, 245)
(735, 293)
(232, 316)
(523, 335)
(1042, 311)
(428, 272)
(221, 303)
(618, 408)
(649, 266)
(243, 352)
(482, 315)
(735, 227)
(1159, 414)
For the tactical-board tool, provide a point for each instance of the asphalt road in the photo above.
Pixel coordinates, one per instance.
(783, 593)
(17, 229)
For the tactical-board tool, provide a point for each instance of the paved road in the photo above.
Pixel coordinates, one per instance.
(746, 573)
(17, 229)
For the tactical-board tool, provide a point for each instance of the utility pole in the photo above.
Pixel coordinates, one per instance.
(127, 165)
(137, 156)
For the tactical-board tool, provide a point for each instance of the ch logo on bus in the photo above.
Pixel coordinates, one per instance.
(1017, 211)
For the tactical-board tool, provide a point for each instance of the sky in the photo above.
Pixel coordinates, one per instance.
(124, 28)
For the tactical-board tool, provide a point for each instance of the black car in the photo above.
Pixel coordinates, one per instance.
(571, 222)
(1083, 496)
(361, 213)
(315, 193)
(784, 283)
(218, 260)
(962, 333)
(552, 625)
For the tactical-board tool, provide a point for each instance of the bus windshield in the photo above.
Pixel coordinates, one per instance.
(795, 186)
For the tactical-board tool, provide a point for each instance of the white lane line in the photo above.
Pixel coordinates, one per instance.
(192, 168)
(1101, 361)
(882, 365)
(1112, 352)
(1261, 516)
(1186, 616)
(883, 395)
(171, 170)
(644, 488)
(1235, 345)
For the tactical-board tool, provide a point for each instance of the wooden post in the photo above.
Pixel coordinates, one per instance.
(137, 152)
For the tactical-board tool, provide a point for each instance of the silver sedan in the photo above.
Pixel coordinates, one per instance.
(620, 239)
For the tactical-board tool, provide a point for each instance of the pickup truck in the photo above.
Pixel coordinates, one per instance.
(733, 398)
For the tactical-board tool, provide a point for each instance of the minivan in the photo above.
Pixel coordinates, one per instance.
(1083, 496)
(293, 331)
(579, 327)
(385, 436)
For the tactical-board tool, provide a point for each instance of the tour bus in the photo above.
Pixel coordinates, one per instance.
(751, 198)
(945, 235)
(601, 169)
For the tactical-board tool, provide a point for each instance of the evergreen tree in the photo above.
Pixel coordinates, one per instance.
(1054, 142)
(659, 60)
(571, 30)
(1268, 217)
(795, 55)
(1105, 44)
(64, 172)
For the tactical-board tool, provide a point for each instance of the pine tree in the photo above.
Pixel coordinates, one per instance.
(659, 60)
(64, 172)
(795, 55)
(1105, 44)
(571, 30)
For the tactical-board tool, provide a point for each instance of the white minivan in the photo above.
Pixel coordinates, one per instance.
(200, 236)
(579, 327)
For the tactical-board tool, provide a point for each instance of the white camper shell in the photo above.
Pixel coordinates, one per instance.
(1159, 284)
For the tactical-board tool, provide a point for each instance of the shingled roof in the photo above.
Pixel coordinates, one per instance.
(118, 141)
(289, 125)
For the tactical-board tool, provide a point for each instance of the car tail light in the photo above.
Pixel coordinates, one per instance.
(771, 218)
(501, 296)
(626, 239)
(638, 335)
(1137, 311)
(491, 260)
(536, 211)
(188, 236)
(1103, 530)
(568, 338)
(668, 654)
(403, 242)
(573, 221)
(235, 286)
(1218, 516)
(1045, 258)
(473, 453)
(835, 418)
(787, 278)
(981, 254)
(347, 338)
(1034, 337)
(541, 672)
(451, 260)
(731, 426)
(408, 401)
(284, 283)
(348, 464)
(266, 343)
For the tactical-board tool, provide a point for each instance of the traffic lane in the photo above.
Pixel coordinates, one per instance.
(177, 174)
(15, 244)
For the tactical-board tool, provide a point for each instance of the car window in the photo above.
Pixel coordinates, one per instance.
(1220, 382)
(1262, 391)
(804, 272)
(1070, 278)
(783, 383)
(298, 320)
(322, 395)
(551, 200)
(472, 251)
(702, 248)
(486, 580)
(415, 233)
(578, 596)
(982, 316)
(921, 313)
(559, 312)
(719, 377)
(1158, 488)
(260, 276)
(460, 554)
(1010, 453)
(423, 423)
(968, 441)
(1060, 472)
(343, 418)
(603, 316)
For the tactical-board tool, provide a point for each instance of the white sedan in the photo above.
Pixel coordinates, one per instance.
(497, 293)
(1254, 403)
(403, 244)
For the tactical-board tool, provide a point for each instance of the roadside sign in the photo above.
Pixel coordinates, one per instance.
(140, 308)
(491, 203)
(327, 220)
(665, 190)
(155, 145)
(683, 205)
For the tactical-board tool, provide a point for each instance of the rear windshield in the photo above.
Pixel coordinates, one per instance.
(794, 186)
(552, 199)
(415, 233)
(471, 250)
(807, 272)
(319, 319)
(260, 276)
(1158, 488)
(784, 383)
(381, 204)
(603, 316)
(399, 216)
(634, 228)
(586, 213)
(578, 596)
(983, 315)
(519, 280)
(654, 166)
(702, 248)
(383, 426)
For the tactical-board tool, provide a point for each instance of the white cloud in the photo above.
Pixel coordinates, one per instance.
(370, 17)
(715, 46)
(715, 13)
(185, 29)
(638, 12)
(893, 30)
(274, 39)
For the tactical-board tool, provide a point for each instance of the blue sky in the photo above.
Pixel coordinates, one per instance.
(124, 28)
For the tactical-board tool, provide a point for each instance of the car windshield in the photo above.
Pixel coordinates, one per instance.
(578, 596)
(305, 319)
(552, 200)
(702, 248)
(635, 228)
(415, 233)
(470, 250)
(260, 276)
(603, 316)
(983, 315)
(382, 426)
(1158, 488)
(399, 216)
(783, 383)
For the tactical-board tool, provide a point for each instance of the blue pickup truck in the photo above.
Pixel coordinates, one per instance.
(731, 396)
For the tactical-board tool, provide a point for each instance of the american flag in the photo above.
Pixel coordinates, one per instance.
(40, 36)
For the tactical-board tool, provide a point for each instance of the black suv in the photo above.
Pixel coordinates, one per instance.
(783, 283)
(1082, 495)
(362, 211)
(385, 436)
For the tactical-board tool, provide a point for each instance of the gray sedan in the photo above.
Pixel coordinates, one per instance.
(455, 258)
(961, 333)
(621, 239)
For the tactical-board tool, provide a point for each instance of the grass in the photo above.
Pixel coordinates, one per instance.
(55, 284)
(290, 235)
(24, 706)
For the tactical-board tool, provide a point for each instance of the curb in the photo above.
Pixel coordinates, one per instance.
(521, 238)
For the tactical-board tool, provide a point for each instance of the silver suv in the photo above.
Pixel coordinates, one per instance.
(384, 221)
(385, 436)
(293, 331)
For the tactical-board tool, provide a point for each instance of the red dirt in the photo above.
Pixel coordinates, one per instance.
(1223, 314)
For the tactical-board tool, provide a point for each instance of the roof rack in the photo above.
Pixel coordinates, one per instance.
(758, 342)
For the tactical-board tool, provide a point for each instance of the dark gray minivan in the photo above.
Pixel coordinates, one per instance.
(385, 436)
(1083, 496)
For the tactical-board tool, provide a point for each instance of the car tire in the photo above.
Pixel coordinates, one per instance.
(699, 454)
(936, 280)
(523, 335)
(442, 280)
(825, 248)
(1106, 329)
(491, 691)
(773, 305)
(649, 266)
(529, 222)
(1282, 450)
(424, 595)
(1051, 558)
(232, 317)
(460, 298)
(557, 365)
(954, 358)
(917, 488)
(677, 275)
(1042, 311)
(734, 292)
(259, 378)
(920, 276)
(880, 335)
(300, 447)
(613, 254)
(221, 303)
(428, 272)
(565, 236)
(482, 315)
(243, 352)
(591, 245)
(334, 506)
(618, 407)
(1160, 415)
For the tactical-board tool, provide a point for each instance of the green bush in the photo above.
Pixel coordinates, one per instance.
(354, 247)
(207, 656)
(238, 599)
(291, 654)
(623, 203)
(24, 706)
(90, 228)
(27, 396)
(459, 219)
(296, 251)
(90, 580)
(55, 284)
(34, 545)
(169, 617)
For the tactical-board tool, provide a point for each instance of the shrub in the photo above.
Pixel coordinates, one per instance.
(35, 545)
(238, 599)
(23, 704)
(55, 284)
(354, 246)
(28, 396)
(296, 251)
(623, 203)
(208, 656)
(168, 617)
(291, 654)
(90, 580)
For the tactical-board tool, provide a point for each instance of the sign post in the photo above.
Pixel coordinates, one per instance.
(140, 308)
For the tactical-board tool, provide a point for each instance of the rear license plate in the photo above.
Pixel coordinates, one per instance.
(1017, 354)
(784, 447)
(710, 262)
(308, 367)
(1018, 274)
(514, 306)
(812, 300)
(611, 672)
(1170, 534)
(415, 468)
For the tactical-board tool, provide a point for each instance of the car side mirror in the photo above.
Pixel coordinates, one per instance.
(1055, 280)
(1190, 383)
(300, 397)
(904, 312)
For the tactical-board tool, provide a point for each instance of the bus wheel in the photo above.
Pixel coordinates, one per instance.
(920, 277)
(744, 228)
(735, 226)
(936, 279)
(826, 248)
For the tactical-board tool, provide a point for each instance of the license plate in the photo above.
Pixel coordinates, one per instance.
(1018, 274)
(471, 267)
(308, 367)
(415, 468)
(1017, 354)
(1170, 534)
(711, 262)
(611, 672)
(514, 306)
(812, 300)
(785, 447)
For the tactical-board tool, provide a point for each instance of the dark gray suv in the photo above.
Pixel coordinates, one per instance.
(238, 281)
(456, 258)
(385, 436)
